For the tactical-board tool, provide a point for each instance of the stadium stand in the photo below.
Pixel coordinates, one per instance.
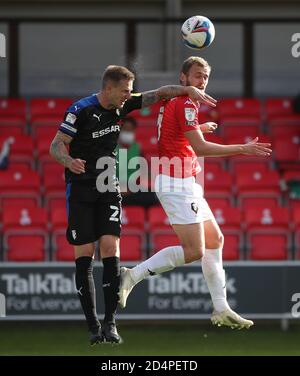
(252, 198)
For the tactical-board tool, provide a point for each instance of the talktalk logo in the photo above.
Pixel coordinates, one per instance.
(2, 45)
(179, 283)
(35, 283)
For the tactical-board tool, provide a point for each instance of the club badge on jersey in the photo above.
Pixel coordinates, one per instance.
(190, 116)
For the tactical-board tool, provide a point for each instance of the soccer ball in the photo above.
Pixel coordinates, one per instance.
(198, 32)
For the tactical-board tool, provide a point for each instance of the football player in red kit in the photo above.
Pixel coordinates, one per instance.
(181, 142)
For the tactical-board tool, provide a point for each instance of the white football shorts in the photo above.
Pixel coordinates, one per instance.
(182, 200)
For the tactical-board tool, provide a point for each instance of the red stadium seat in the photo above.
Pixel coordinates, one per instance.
(24, 218)
(217, 185)
(133, 218)
(245, 159)
(63, 250)
(54, 183)
(284, 121)
(280, 112)
(287, 149)
(234, 134)
(292, 175)
(59, 219)
(22, 149)
(56, 203)
(10, 130)
(45, 132)
(257, 184)
(25, 247)
(261, 218)
(296, 225)
(45, 117)
(218, 202)
(51, 168)
(20, 184)
(160, 230)
(13, 112)
(239, 107)
(296, 216)
(160, 241)
(158, 219)
(131, 247)
(242, 139)
(18, 167)
(294, 204)
(239, 111)
(48, 111)
(46, 121)
(228, 217)
(257, 202)
(25, 202)
(43, 146)
(240, 121)
(231, 249)
(268, 247)
(278, 107)
(267, 224)
(215, 138)
(239, 167)
(276, 132)
(212, 167)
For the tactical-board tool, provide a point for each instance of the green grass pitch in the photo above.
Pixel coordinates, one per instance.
(184, 338)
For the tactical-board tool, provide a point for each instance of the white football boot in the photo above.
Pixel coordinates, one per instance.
(127, 284)
(230, 318)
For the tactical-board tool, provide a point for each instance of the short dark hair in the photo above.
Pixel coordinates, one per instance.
(116, 73)
(131, 120)
(189, 62)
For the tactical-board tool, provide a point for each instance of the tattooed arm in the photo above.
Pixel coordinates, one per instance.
(171, 91)
(60, 153)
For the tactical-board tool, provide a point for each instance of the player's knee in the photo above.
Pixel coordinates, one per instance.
(216, 242)
(192, 253)
(109, 246)
(109, 251)
(86, 250)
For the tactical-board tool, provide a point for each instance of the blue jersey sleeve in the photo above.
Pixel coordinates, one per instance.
(71, 120)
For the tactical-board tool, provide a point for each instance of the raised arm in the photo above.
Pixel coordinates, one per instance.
(171, 91)
(205, 148)
(60, 153)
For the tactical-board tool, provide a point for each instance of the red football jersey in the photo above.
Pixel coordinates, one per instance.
(176, 117)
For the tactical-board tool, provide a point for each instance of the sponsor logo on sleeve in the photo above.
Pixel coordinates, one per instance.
(71, 118)
(190, 114)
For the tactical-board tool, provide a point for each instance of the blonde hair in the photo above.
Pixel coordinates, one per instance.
(190, 61)
(116, 73)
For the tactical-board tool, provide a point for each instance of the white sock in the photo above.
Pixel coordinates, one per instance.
(164, 260)
(214, 274)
